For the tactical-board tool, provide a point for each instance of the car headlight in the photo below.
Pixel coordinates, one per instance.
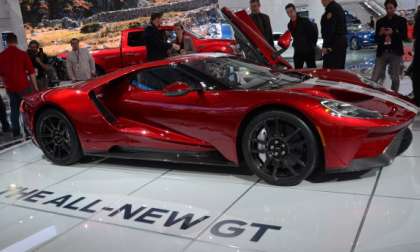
(342, 109)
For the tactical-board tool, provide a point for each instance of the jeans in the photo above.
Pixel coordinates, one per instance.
(15, 100)
(394, 62)
(3, 116)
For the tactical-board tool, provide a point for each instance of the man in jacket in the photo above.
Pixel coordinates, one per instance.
(262, 21)
(156, 44)
(334, 31)
(15, 67)
(391, 31)
(305, 36)
(80, 64)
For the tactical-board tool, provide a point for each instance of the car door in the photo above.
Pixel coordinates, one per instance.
(146, 102)
(251, 42)
(134, 48)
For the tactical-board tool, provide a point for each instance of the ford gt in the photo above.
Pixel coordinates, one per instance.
(251, 110)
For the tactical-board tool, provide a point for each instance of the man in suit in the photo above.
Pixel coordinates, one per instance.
(305, 36)
(156, 45)
(80, 63)
(262, 21)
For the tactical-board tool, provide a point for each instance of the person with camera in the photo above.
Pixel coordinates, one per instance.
(40, 62)
(391, 32)
(157, 46)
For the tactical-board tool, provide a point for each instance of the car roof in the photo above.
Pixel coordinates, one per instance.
(99, 81)
(141, 28)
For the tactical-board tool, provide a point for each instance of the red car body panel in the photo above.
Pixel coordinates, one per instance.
(109, 60)
(212, 120)
(244, 23)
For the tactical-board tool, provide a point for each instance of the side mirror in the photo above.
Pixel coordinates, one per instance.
(177, 89)
(285, 40)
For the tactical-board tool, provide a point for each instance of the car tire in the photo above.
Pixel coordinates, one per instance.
(354, 44)
(57, 138)
(280, 148)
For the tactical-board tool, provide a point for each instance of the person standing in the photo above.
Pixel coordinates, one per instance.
(262, 21)
(305, 36)
(80, 64)
(15, 67)
(334, 31)
(180, 38)
(3, 117)
(40, 62)
(391, 31)
(416, 59)
(157, 46)
(371, 23)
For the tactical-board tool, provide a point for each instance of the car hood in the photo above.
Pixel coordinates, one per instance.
(347, 87)
(363, 33)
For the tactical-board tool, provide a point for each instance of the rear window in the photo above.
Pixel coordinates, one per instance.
(136, 39)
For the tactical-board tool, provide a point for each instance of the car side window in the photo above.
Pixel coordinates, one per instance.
(136, 39)
(157, 78)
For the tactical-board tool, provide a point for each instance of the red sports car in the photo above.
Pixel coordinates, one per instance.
(251, 111)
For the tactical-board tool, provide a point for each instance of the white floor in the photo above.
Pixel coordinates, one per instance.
(76, 208)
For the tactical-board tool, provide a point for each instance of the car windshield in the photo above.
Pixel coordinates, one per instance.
(238, 74)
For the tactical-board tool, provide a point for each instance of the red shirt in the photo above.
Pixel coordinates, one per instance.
(15, 66)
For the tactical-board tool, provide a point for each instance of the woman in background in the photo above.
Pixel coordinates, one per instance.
(180, 40)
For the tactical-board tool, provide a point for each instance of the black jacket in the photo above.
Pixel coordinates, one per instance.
(44, 59)
(333, 25)
(264, 25)
(416, 35)
(399, 27)
(305, 35)
(157, 47)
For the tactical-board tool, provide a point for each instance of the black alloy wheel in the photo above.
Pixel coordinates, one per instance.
(280, 148)
(57, 138)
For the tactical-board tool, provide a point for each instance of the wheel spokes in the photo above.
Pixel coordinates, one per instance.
(267, 162)
(291, 136)
(54, 136)
(279, 149)
(296, 160)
